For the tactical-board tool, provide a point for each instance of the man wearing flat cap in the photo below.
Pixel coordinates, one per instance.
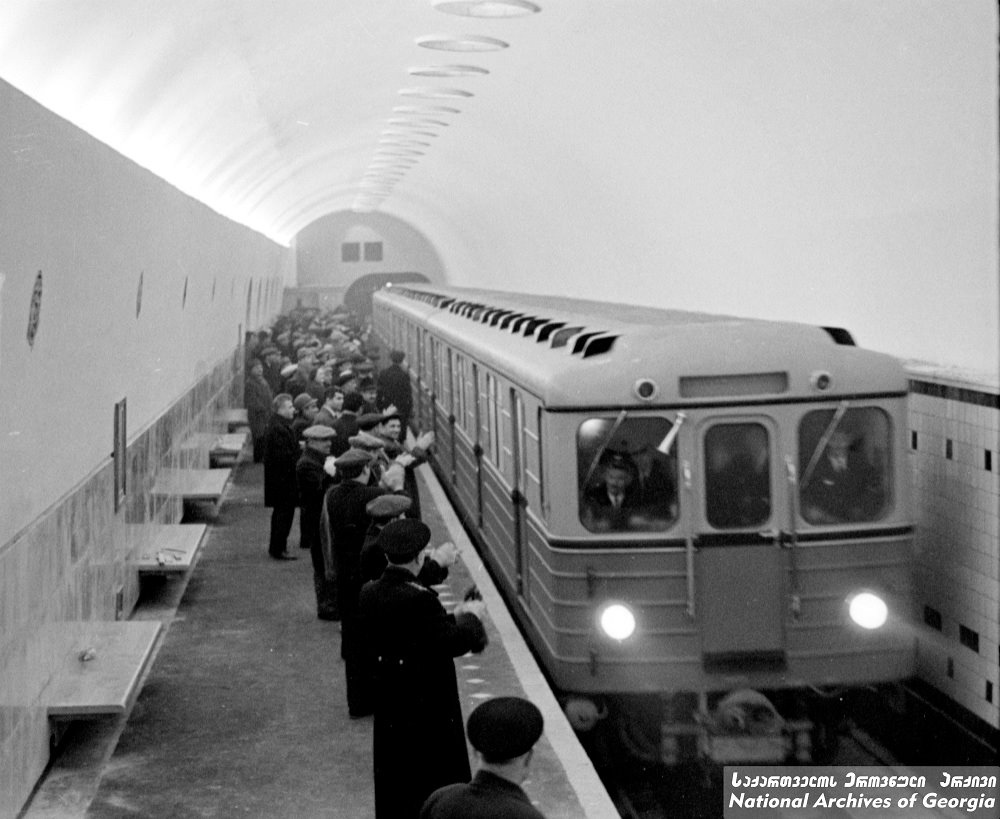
(388, 427)
(306, 408)
(313, 481)
(345, 504)
(503, 731)
(418, 741)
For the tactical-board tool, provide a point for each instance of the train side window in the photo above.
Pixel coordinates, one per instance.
(493, 418)
(844, 465)
(737, 475)
(625, 481)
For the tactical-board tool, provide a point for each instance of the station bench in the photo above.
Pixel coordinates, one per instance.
(222, 448)
(101, 665)
(192, 485)
(234, 418)
(172, 548)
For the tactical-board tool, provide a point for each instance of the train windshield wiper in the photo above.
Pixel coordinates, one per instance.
(824, 439)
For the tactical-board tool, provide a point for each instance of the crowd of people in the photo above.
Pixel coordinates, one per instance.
(330, 422)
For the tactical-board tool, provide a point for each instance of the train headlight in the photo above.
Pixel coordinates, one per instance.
(868, 610)
(617, 621)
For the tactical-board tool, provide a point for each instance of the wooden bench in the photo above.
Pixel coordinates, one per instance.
(192, 484)
(172, 548)
(101, 665)
(234, 418)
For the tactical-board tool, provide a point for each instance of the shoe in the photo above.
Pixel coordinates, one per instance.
(325, 615)
(284, 556)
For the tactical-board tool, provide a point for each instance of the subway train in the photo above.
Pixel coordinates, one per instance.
(700, 522)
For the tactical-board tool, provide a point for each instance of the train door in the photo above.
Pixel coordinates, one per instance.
(740, 567)
(518, 497)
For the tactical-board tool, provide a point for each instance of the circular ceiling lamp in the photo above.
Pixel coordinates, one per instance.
(430, 92)
(425, 110)
(406, 133)
(487, 8)
(465, 42)
(423, 123)
(447, 71)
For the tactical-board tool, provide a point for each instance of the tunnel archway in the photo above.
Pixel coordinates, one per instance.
(358, 298)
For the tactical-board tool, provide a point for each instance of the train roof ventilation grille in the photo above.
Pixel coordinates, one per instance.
(547, 330)
(841, 336)
(506, 320)
(582, 339)
(516, 325)
(599, 346)
(533, 324)
(560, 337)
(498, 316)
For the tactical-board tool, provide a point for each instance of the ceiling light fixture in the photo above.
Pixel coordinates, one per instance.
(466, 42)
(407, 132)
(447, 71)
(430, 92)
(487, 8)
(425, 109)
(404, 143)
(420, 122)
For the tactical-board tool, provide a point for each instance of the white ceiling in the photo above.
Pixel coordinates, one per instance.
(273, 111)
(769, 158)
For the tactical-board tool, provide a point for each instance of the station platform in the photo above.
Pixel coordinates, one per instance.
(243, 711)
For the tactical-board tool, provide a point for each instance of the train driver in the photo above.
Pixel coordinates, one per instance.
(608, 504)
(843, 486)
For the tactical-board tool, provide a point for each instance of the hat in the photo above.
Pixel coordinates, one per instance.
(369, 420)
(303, 400)
(353, 457)
(270, 349)
(402, 540)
(397, 356)
(288, 369)
(345, 377)
(504, 727)
(367, 441)
(386, 507)
(318, 432)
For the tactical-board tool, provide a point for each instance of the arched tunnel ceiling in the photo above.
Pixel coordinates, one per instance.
(768, 158)
(276, 112)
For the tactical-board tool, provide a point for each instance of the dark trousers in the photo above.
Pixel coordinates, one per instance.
(281, 524)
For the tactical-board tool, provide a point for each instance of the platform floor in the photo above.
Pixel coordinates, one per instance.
(243, 710)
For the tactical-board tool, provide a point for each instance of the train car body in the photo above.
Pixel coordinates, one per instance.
(656, 494)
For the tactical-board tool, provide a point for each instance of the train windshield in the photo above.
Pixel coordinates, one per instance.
(843, 465)
(737, 475)
(627, 474)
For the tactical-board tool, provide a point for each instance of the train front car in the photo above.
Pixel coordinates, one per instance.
(701, 522)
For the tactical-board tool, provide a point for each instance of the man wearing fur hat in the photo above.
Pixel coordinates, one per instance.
(419, 741)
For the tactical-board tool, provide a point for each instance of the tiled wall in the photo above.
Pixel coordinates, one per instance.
(71, 562)
(954, 431)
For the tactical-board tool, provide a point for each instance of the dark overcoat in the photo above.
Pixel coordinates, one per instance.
(281, 453)
(257, 398)
(419, 737)
(393, 387)
(487, 796)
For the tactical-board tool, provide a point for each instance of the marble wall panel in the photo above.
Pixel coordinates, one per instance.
(70, 563)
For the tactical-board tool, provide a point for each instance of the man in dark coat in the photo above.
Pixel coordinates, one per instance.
(842, 487)
(387, 426)
(281, 453)
(381, 512)
(419, 741)
(393, 389)
(503, 731)
(257, 398)
(347, 424)
(313, 481)
(345, 508)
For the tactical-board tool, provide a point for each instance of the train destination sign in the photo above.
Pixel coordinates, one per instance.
(863, 792)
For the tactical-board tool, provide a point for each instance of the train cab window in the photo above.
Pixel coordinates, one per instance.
(844, 461)
(737, 475)
(626, 481)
